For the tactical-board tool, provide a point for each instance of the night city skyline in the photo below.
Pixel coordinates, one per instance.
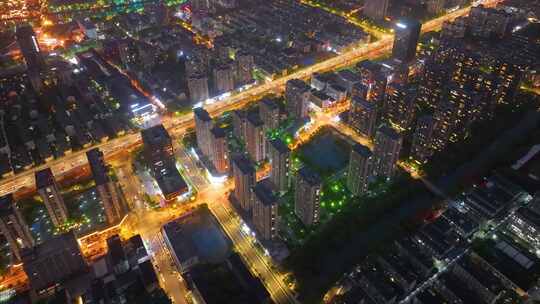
(270, 151)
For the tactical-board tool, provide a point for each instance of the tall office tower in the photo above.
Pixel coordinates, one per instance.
(255, 137)
(52, 198)
(244, 180)
(387, 147)
(56, 260)
(108, 191)
(239, 124)
(307, 196)
(407, 33)
(433, 83)
(280, 158)
(203, 125)
(297, 94)
(400, 106)
(28, 43)
(220, 152)
(375, 9)
(422, 144)
(363, 116)
(244, 69)
(265, 210)
(269, 112)
(224, 77)
(158, 149)
(435, 7)
(198, 88)
(13, 226)
(361, 166)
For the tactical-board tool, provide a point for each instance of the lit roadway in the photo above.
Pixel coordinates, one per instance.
(178, 125)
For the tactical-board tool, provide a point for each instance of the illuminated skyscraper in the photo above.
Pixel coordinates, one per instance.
(269, 112)
(158, 149)
(307, 196)
(198, 88)
(49, 192)
(361, 166)
(387, 148)
(297, 94)
(203, 125)
(13, 226)
(220, 153)
(407, 33)
(255, 137)
(280, 157)
(400, 106)
(244, 180)
(363, 116)
(244, 69)
(422, 144)
(265, 210)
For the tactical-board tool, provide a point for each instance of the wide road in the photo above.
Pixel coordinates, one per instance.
(178, 125)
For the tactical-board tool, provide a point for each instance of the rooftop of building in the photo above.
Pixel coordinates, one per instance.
(362, 150)
(244, 164)
(97, 165)
(7, 204)
(202, 114)
(310, 176)
(263, 190)
(197, 234)
(44, 178)
(155, 136)
(218, 132)
(171, 182)
(280, 146)
(389, 132)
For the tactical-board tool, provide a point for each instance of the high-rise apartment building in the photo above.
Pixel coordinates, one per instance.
(265, 210)
(387, 148)
(422, 144)
(56, 260)
(269, 112)
(220, 152)
(407, 33)
(375, 9)
(13, 227)
(297, 94)
(363, 116)
(361, 167)
(433, 83)
(224, 77)
(280, 158)
(255, 137)
(400, 106)
(28, 43)
(203, 125)
(52, 198)
(244, 70)
(244, 180)
(239, 124)
(198, 88)
(307, 196)
(435, 7)
(107, 189)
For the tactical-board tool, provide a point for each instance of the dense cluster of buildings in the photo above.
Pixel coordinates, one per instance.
(58, 272)
(481, 249)
(17, 232)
